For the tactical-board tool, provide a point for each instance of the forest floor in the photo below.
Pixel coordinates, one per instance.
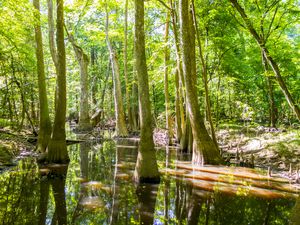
(14, 145)
(276, 149)
(240, 143)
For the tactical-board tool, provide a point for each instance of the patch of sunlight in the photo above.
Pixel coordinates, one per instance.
(95, 185)
(92, 203)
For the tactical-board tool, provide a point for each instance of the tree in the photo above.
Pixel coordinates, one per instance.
(146, 170)
(204, 149)
(44, 119)
(166, 81)
(121, 129)
(204, 77)
(83, 60)
(261, 41)
(57, 148)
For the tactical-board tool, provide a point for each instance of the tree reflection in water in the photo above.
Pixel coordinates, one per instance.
(146, 194)
(98, 189)
(56, 179)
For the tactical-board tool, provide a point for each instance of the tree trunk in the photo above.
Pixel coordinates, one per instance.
(121, 129)
(57, 148)
(127, 88)
(180, 120)
(166, 81)
(146, 170)
(134, 104)
(177, 108)
(204, 77)
(95, 78)
(51, 33)
(268, 57)
(204, 149)
(272, 105)
(83, 60)
(44, 119)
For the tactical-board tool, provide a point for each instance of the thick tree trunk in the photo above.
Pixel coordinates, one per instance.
(57, 148)
(204, 77)
(83, 60)
(268, 57)
(204, 149)
(44, 119)
(146, 170)
(121, 129)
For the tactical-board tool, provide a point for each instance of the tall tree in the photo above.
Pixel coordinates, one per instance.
(261, 40)
(204, 77)
(166, 81)
(146, 170)
(44, 119)
(121, 129)
(127, 89)
(204, 149)
(57, 148)
(83, 60)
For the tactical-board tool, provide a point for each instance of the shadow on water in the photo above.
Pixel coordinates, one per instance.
(97, 188)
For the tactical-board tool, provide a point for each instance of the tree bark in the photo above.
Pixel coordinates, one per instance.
(127, 88)
(268, 57)
(180, 120)
(57, 148)
(146, 170)
(83, 60)
(204, 77)
(204, 149)
(44, 119)
(51, 35)
(121, 129)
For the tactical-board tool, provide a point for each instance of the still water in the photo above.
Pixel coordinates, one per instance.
(98, 189)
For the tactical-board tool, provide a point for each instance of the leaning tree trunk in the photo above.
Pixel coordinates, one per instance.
(204, 149)
(57, 148)
(44, 119)
(121, 129)
(83, 60)
(146, 170)
(268, 57)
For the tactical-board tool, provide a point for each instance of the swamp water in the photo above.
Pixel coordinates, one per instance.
(98, 189)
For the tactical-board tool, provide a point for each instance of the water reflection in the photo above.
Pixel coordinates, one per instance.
(146, 194)
(98, 189)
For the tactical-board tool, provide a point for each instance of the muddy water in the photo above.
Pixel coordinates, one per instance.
(97, 188)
